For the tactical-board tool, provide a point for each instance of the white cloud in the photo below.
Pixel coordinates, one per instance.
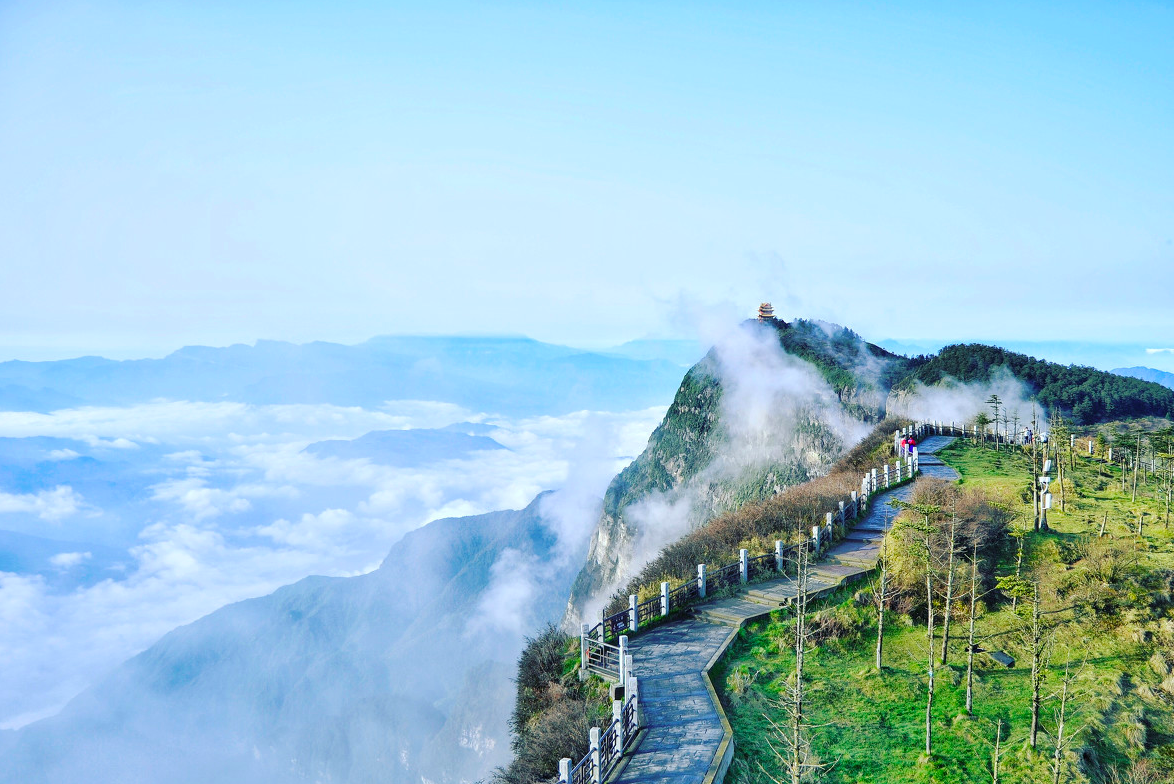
(1159, 351)
(63, 454)
(199, 500)
(69, 560)
(51, 505)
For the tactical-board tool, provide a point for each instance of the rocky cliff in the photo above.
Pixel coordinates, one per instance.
(771, 405)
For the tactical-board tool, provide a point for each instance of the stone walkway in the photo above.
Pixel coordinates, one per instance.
(687, 738)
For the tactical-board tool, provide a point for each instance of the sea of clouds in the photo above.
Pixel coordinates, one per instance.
(221, 502)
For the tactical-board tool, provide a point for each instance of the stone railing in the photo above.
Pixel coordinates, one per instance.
(607, 746)
(598, 653)
(602, 646)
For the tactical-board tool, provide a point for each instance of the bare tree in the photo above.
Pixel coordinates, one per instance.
(879, 599)
(980, 424)
(924, 531)
(995, 403)
(1035, 494)
(796, 758)
(1035, 640)
(1062, 743)
(997, 757)
(970, 639)
(1020, 535)
(946, 611)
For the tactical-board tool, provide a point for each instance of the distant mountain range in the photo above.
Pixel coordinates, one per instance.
(402, 675)
(1148, 374)
(403, 448)
(503, 375)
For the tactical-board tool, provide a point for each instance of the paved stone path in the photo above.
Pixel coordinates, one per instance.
(687, 738)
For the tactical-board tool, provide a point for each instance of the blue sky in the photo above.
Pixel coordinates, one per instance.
(219, 172)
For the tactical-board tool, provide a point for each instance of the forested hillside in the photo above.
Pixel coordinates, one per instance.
(1085, 394)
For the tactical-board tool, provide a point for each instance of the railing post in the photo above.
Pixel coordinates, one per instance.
(843, 518)
(855, 505)
(617, 717)
(633, 613)
(603, 624)
(874, 484)
(779, 563)
(564, 770)
(815, 536)
(633, 693)
(916, 461)
(596, 773)
(664, 599)
(623, 659)
(701, 580)
(886, 476)
(828, 520)
(743, 565)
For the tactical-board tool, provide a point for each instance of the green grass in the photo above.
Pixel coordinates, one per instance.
(870, 726)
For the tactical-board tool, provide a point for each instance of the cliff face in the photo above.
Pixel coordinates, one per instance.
(771, 406)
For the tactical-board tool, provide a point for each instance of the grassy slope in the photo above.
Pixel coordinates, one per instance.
(871, 725)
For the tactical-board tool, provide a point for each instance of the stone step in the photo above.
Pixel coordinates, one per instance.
(719, 617)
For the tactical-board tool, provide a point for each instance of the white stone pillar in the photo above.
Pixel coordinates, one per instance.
(779, 562)
(1090, 447)
(843, 516)
(564, 770)
(633, 613)
(815, 537)
(744, 565)
(664, 599)
(916, 460)
(701, 580)
(632, 692)
(886, 476)
(617, 717)
(596, 773)
(623, 659)
(874, 484)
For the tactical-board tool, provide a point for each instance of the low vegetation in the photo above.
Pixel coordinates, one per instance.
(756, 525)
(554, 711)
(1085, 619)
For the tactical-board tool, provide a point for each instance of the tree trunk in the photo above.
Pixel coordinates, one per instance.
(1136, 460)
(930, 636)
(1169, 486)
(998, 740)
(1060, 472)
(970, 639)
(949, 592)
(1037, 675)
(1060, 729)
(880, 614)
